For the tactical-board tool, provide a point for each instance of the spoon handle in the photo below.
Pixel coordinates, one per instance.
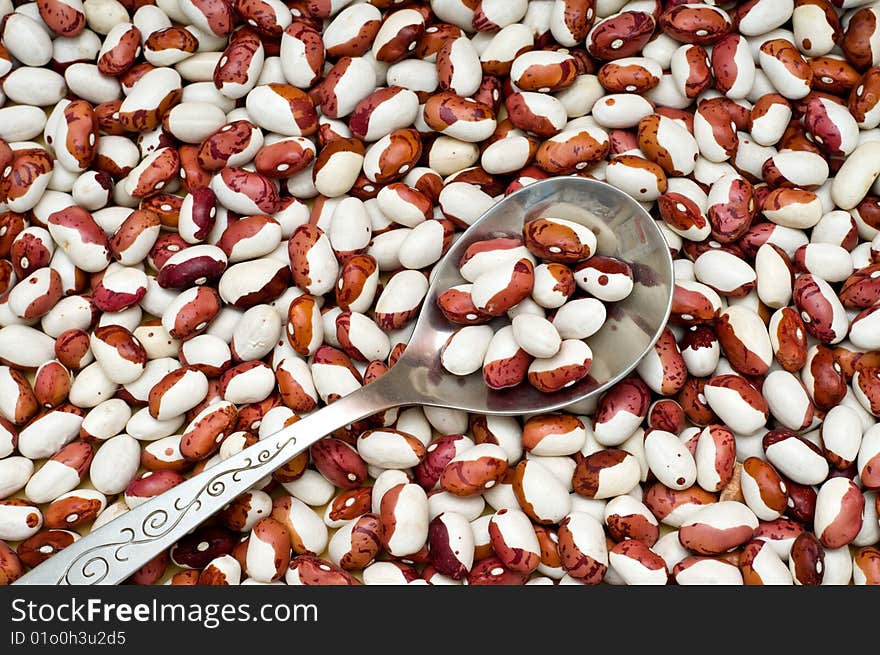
(112, 553)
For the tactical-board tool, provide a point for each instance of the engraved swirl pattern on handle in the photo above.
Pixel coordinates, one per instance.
(92, 566)
(113, 552)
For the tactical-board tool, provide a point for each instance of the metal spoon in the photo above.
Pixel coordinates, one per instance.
(623, 228)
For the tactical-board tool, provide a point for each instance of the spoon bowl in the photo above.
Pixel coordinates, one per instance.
(623, 230)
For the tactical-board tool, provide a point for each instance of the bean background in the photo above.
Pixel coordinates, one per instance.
(219, 215)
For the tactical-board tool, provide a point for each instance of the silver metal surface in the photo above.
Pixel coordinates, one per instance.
(623, 229)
